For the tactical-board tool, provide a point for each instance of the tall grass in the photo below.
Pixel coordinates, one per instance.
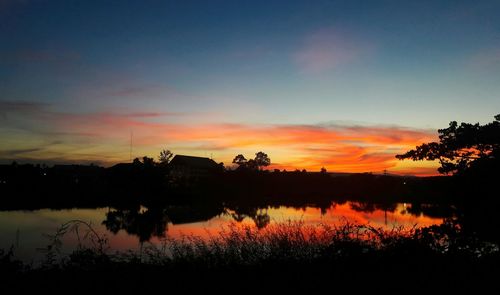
(294, 242)
(289, 257)
(290, 242)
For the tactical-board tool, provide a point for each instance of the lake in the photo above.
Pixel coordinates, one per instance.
(128, 229)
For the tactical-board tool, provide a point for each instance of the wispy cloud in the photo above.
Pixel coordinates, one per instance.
(16, 153)
(137, 90)
(339, 147)
(31, 107)
(486, 58)
(328, 49)
(33, 56)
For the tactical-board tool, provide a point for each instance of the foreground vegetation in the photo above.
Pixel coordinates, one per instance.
(286, 257)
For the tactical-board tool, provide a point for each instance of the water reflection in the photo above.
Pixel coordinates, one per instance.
(145, 223)
(128, 228)
(259, 216)
(141, 222)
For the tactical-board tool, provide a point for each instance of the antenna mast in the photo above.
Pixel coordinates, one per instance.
(131, 136)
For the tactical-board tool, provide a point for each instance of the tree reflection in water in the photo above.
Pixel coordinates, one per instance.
(143, 223)
(147, 223)
(259, 215)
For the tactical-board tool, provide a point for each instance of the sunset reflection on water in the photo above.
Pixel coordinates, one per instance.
(24, 230)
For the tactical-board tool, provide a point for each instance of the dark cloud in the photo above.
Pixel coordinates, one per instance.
(149, 114)
(15, 153)
(35, 56)
(131, 91)
(7, 106)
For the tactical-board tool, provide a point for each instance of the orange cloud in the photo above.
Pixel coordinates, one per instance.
(337, 147)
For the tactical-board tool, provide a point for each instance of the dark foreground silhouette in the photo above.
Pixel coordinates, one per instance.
(287, 257)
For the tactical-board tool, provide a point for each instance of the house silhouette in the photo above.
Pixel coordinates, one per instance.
(192, 167)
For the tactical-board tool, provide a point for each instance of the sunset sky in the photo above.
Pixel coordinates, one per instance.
(340, 84)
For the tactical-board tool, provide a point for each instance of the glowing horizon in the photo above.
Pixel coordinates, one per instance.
(104, 138)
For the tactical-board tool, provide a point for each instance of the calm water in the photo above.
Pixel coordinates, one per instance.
(126, 229)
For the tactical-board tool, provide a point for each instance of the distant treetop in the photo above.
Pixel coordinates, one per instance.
(261, 160)
(165, 156)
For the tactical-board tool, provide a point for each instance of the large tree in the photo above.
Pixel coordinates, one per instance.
(240, 160)
(262, 160)
(460, 146)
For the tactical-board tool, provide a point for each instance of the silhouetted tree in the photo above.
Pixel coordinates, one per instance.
(460, 146)
(148, 162)
(165, 156)
(137, 162)
(262, 160)
(145, 162)
(323, 170)
(252, 165)
(240, 160)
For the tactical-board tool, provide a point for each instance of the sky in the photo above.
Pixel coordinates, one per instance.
(344, 85)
